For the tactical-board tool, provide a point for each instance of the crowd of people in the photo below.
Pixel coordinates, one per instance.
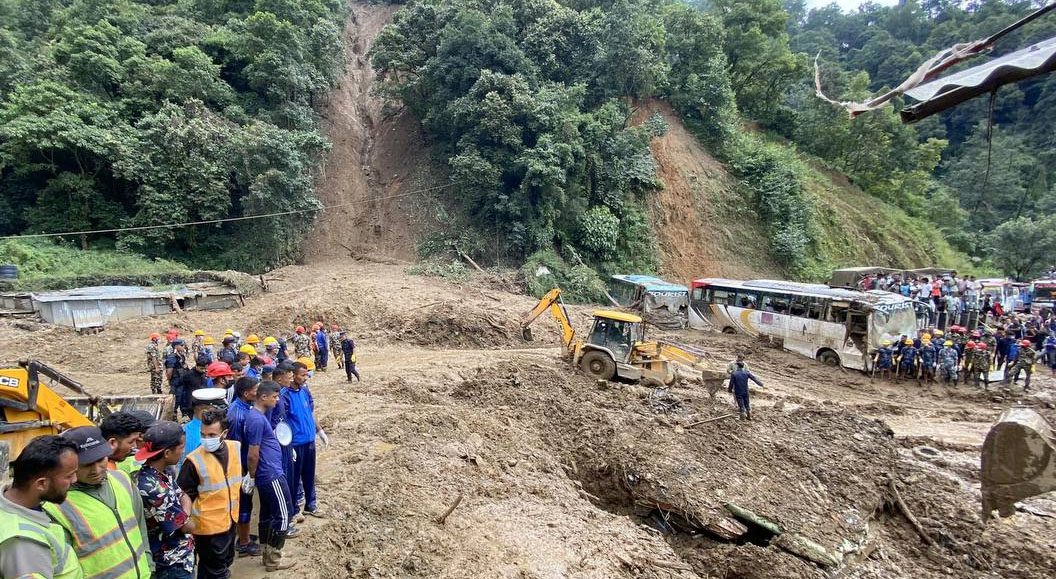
(943, 300)
(1013, 345)
(136, 497)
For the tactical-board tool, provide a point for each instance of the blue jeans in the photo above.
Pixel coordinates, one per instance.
(303, 483)
(742, 403)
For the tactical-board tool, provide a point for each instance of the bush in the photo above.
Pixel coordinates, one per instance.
(450, 270)
(545, 270)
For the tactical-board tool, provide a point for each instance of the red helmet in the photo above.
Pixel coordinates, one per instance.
(1026, 343)
(218, 369)
(980, 346)
(977, 334)
(969, 346)
(300, 329)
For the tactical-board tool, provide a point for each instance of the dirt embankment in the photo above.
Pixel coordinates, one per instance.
(378, 171)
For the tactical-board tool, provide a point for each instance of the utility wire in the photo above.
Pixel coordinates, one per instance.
(224, 220)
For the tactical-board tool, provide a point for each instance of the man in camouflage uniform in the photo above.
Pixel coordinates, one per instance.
(981, 364)
(1025, 362)
(948, 358)
(301, 346)
(154, 364)
(335, 345)
(197, 345)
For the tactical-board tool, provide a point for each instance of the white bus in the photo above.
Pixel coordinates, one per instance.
(838, 327)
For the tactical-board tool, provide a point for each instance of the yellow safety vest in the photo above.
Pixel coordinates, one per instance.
(107, 541)
(216, 508)
(64, 563)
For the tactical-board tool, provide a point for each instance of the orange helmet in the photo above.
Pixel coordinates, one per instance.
(1026, 343)
(317, 326)
(155, 336)
(300, 329)
(969, 346)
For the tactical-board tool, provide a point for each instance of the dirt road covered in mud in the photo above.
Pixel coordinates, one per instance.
(557, 476)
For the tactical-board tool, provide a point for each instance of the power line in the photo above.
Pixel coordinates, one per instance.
(223, 220)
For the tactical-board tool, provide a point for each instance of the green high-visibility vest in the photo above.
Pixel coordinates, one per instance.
(107, 541)
(64, 563)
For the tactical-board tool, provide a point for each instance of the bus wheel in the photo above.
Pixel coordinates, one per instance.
(598, 364)
(829, 358)
(729, 330)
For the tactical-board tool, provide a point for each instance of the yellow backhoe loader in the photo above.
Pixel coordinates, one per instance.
(29, 408)
(1018, 461)
(616, 348)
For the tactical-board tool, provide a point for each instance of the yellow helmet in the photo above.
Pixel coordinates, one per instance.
(926, 337)
(886, 343)
(908, 342)
(208, 341)
(229, 332)
(247, 349)
(199, 333)
(938, 332)
(948, 343)
(308, 362)
(271, 341)
(252, 339)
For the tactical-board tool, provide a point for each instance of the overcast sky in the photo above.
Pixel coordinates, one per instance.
(846, 5)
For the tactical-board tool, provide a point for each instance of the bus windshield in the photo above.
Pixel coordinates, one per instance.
(1044, 292)
(893, 321)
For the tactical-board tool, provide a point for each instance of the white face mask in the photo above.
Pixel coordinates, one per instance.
(211, 444)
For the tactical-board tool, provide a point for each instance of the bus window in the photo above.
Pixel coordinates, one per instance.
(698, 293)
(838, 313)
(818, 309)
(776, 303)
(717, 296)
(748, 300)
(800, 306)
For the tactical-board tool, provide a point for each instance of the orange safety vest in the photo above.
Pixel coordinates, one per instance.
(216, 508)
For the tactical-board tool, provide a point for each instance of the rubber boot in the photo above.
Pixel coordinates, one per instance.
(273, 561)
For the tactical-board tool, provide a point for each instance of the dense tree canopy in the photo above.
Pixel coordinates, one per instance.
(119, 113)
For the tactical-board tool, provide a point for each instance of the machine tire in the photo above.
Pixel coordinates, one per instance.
(829, 358)
(729, 330)
(598, 365)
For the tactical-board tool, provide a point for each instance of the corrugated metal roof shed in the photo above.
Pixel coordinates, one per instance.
(943, 93)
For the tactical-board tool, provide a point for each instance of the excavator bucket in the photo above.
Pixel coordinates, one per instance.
(1018, 461)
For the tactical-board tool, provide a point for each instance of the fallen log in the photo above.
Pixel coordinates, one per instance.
(904, 509)
(442, 518)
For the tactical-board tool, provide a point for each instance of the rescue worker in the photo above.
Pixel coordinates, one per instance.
(155, 364)
(175, 366)
(348, 351)
(189, 381)
(31, 545)
(1050, 352)
(245, 393)
(170, 338)
(222, 376)
(883, 359)
(739, 386)
(929, 354)
(209, 348)
(254, 341)
(271, 351)
(334, 340)
(100, 506)
(283, 376)
(300, 414)
(203, 399)
(212, 477)
(122, 431)
(301, 344)
(166, 507)
(732, 366)
(968, 358)
(197, 344)
(264, 472)
(982, 363)
(1001, 349)
(948, 360)
(322, 348)
(229, 353)
(907, 361)
(1024, 363)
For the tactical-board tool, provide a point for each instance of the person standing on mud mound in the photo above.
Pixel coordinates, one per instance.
(301, 344)
(348, 352)
(732, 366)
(334, 339)
(739, 386)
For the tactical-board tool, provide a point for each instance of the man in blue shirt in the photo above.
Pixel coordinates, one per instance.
(739, 386)
(300, 414)
(264, 473)
(245, 392)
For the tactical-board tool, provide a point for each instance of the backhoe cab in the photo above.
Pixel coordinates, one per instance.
(615, 346)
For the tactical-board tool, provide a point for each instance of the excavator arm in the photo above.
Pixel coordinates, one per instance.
(23, 397)
(550, 302)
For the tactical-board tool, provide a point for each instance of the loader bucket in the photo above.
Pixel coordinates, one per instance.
(1018, 461)
(160, 406)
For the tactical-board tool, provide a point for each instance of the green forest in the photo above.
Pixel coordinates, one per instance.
(123, 113)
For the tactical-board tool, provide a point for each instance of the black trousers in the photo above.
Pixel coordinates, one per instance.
(215, 553)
